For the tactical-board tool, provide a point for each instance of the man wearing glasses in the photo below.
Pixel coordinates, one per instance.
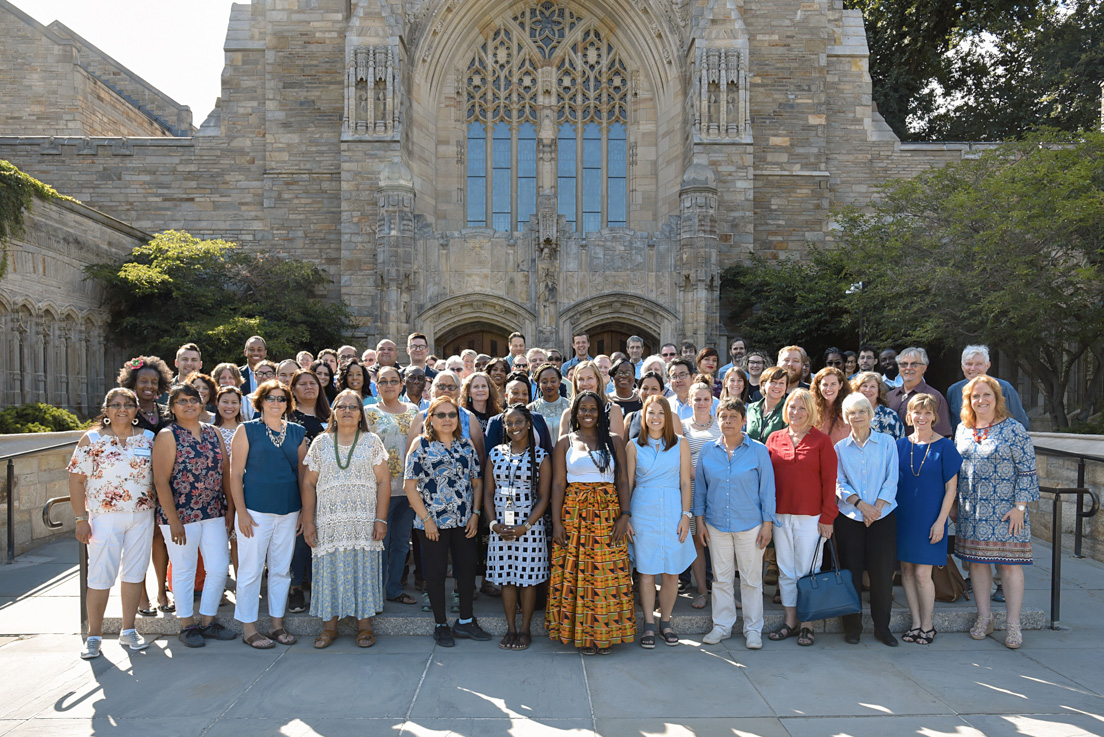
(913, 363)
(415, 380)
(669, 352)
(417, 347)
(263, 371)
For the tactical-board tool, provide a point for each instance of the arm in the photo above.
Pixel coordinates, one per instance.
(226, 484)
(1027, 480)
(938, 528)
(414, 473)
(415, 430)
(685, 487)
(239, 451)
(622, 528)
(559, 487)
(164, 458)
(308, 485)
(301, 470)
(383, 497)
(565, 422)
(616, 420)
(472, 526)
(477, 442)
(78, 497)
(630, 471)
(1015, 405)
(887, 494)
(829, 507)
(544, 489)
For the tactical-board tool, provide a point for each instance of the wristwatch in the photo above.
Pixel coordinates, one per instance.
(1021, 507)
(688, 515)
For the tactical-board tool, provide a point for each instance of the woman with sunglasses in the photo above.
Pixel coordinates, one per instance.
(265, 460)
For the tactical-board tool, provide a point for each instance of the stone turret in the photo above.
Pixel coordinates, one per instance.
(395, 247)
(698, 280)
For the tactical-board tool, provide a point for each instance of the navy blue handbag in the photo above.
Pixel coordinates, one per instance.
(827, 594)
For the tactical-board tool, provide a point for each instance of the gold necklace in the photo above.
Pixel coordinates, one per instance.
(916, 472)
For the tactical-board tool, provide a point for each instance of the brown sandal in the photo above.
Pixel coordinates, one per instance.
(325, 639)
(283, 637)
(255, 639)
(366, 637)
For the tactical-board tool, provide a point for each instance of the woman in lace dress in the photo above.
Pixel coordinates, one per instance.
(346, 490)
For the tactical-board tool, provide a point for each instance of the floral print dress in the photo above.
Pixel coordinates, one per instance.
(120, 474)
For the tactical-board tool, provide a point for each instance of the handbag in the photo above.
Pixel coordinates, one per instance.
(948, 581)
(828, 593)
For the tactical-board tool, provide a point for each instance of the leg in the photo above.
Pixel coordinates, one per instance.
(912, 593)
(137, 541)
(785, 543)
(509, 606)
(216, 559)
(698, 568)
(723, 547)
(925, 590)
(131, 592)
(251, 561)
(982, 576)
(648, 597)
(299, 569)
(880, 556)
(528, 595)
(434, 565)
(184, 559)
(668, 593)
(850, 537)
(749, 559)
(465, 560)
(96, 605)
(1012, 578)
(400, 518)
(161, 569)
(280, 551)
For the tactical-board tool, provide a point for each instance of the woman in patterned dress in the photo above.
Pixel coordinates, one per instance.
(871, 386)
(189, 473)
(996, 483)
(517, 494)
(346, 490)
(590, 597)
(111, 487)
(390, 419)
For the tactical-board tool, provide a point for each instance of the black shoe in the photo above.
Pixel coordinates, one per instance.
(852, 638)
(297, 601)
(217, 631)
(191, 637)
(886, 638)
(442, 635)
(470, 631)
(998, 595)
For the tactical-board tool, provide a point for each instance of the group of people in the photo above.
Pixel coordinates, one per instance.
(590, 484)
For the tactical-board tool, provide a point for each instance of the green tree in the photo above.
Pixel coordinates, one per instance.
(178, 289)
(1006, 249)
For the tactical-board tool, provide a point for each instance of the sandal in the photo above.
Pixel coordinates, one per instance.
(148, 612)
(784, 632)
(523, 641)
(805, 637)
(404, 598)
(667, 632)
(700, 601)
(254, 641)
(591, 650)
(366, 637)
(1015, 636)
(647, 640)
(926, 637)
(605, 650)
(982, 628)
(507, 641)
(325, 639)
(912, 634)
(283, 637)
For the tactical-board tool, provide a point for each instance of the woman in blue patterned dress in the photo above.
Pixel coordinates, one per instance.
(996, 483)
(871, 386)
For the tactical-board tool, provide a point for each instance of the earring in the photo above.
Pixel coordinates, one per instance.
(134, 421)
(107, 421)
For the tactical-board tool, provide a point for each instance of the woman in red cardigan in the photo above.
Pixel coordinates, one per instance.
(805, 486)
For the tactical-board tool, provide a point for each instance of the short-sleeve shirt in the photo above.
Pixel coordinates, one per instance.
(444, 477)
(196, 480)
(120, 476)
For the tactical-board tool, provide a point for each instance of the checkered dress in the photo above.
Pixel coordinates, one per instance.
(521, 562)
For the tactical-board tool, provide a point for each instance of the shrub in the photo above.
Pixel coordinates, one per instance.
(38, 417)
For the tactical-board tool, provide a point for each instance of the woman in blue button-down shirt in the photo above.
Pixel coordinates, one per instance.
(866, 528)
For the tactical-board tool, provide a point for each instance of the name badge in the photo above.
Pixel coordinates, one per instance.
(508, 518)
(142, 452)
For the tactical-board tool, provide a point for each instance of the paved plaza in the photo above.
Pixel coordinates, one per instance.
(405, 685)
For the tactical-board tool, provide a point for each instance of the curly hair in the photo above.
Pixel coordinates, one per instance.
(128, 374)
(98, 421)
(343, 372)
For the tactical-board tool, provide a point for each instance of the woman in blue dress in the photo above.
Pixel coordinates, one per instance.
(926, 486)
(659, 472)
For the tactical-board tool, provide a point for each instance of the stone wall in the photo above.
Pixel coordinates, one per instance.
(53, 342)
(1062, 473)
(38, 478)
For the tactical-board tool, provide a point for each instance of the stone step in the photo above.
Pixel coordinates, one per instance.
(398, 619)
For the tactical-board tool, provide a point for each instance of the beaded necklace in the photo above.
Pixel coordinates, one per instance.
(276, 438)
(349, 458)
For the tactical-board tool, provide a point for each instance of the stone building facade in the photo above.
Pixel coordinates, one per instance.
(472, 167)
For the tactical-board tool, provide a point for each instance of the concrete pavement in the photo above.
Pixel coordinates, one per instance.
(1053, 686)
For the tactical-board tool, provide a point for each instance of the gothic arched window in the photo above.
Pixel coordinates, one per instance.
(590, 109)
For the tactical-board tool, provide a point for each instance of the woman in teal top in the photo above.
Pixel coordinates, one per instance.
(766, 416)
(265, 460)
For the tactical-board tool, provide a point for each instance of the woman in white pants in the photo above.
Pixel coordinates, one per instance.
(111, 487)
(266, 463)
(734, 511)
(188, 473)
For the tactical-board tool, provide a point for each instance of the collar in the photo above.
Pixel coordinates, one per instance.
(719, 442)
(872, 438)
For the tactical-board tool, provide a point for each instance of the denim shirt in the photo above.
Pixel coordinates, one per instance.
(734, 493)
(869, 471)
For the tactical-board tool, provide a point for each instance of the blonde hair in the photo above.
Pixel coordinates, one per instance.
(805, 397)
(601, 388)
(923, 401)
(968, 416)
(865, 376)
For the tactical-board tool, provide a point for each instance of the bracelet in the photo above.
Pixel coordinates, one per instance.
(477, 511)
(427, 517)
(81, 519)
(381, 521)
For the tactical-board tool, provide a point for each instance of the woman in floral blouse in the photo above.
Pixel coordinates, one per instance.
(111, 487)
(188, 472)
(444, 486)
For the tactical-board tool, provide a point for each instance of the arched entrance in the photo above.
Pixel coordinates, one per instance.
(611, 336)
(479, 336)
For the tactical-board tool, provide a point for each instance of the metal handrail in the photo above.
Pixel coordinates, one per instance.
(82, 556)
(10, 458)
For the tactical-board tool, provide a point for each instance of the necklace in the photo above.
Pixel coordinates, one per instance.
(601, 461)
(981, 435)
(349, 458)
(916, 471)
(698, 426)
(277, 439)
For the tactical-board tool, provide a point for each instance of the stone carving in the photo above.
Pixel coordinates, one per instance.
(372, 92)
(721, 109)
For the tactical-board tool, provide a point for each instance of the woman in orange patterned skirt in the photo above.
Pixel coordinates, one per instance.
(590, 598)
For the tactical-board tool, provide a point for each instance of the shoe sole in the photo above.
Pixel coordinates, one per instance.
(143, 646)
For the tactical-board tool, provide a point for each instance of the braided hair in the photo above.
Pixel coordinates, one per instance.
(606, 452)
(528, 415)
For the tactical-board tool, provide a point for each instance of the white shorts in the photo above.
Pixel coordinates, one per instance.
(120, 540)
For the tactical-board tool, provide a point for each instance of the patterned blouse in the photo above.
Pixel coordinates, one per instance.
(551, 412)
(196, 480)
(444, 477)
(345, 509)
(392, 430)
(887, 421)
(120, 476)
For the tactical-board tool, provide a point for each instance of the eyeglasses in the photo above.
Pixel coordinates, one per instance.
(388, 382)
(668, 355)
(189, 401)
(417, 347)
(346, 408)
(265, 374)
(115, 406)
(682, 375)
(446, 387)
(446, 415)
(910, 364)
(273, 399)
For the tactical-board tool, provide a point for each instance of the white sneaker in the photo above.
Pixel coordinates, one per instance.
(753, 641)
(91, 649)
(133, 640)
(715, 635)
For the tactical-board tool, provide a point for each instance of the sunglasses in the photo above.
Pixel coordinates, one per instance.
(347, 408)
(115, 406)
(275, 400)
(446, 415)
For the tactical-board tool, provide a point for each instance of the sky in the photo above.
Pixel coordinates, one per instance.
(175, 45)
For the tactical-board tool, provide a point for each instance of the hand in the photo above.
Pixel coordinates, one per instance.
(559, 534)
(703, 533)
(764, 537)
(471, 529)
(299, 528)
(622, 529)
(683, 528)
(503, 531)
(176, 531)
(84, 531)
(378, 533)
(431, 530)
(937, 530)
(229, 519)
(310, 533)
(245, 524)
(1015, 521)
(825, 530)
(870, 513)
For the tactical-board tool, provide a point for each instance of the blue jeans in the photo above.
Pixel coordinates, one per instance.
(400, 522)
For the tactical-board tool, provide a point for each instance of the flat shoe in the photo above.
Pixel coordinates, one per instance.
(255, 639)
(283, 637)
(524, 639)
(782, 633)
(404, 598)
(365, 637)
(151, 612)
(325, 639)
(700, 601)
(507, 641)
(805, 637)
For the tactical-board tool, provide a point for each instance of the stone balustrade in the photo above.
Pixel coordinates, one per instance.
(38, 477)
(1061, 472)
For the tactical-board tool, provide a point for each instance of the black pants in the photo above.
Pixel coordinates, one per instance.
(873, 549)
(435, 557)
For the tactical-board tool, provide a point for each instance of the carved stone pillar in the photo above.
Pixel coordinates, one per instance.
(395, 248)
(699, 281)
